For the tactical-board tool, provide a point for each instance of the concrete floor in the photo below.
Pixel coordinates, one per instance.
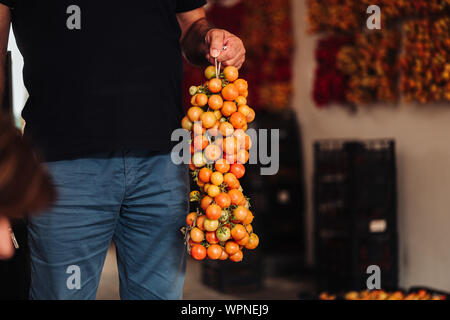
(274, 288)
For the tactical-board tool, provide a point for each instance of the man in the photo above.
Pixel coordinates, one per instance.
(104, 79)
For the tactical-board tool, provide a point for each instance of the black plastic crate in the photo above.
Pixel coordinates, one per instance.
(228, 276)
(355, 212)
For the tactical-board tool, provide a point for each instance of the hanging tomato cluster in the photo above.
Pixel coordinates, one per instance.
(221, 227)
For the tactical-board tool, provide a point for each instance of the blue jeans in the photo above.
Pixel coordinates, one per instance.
(138, 200)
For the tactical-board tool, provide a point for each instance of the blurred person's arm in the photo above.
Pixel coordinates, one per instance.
(6, 245)
(201, 42)
(5, 20)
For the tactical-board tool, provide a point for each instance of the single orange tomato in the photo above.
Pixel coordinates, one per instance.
(231, 158)
(200, 221)
(242, 156)
(205, 174)
(249, 228)
(222, 166)
(230, 180)
(214, 252)
(215, 85)
(237, 169)
(213, 212)
(238, 120)
(231, 73)
(215, 102)
(200, 143)
(240, 213)
(213, 152)
(230, 92)
(244, 240)
(197, 235)
(208, 119)
(198, 252)
(226, 129)
(190, 219)
(241, 101)
(201, 99)
(228, 108)
(213, 190)
(210, 72)
(231, 247)
(238, 232)
(237, 257)
(217, 178)
(244, 109)
(230, 145)
(241, 85)
(223, 200)
(249, 218)
(224, 255)
(211, 237)
(236, 196)
(194, 113)
(205, 202)
(251, 116)
(253, 242)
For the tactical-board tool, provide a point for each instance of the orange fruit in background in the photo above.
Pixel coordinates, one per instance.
(200, 221)
(197, 235)
(228, 108)
(186, 123)
(236, 196)
(201, 99)
(208, 119)
(226, 129)
(222, 166)
(253, 242)
(213, 212)
(238, 232)
(191, 218)
(240, 213)
(214, 130)
(193, 100)
(247, 142)
(241, 86)
(205, 174)
(245, 94)
(215, 85)
(241, 101)
(238, 170)
(237, 257)
(214, 252)
(198, 252)
(211, 237)
(249, 228)
(238, 120)
(215, 102)
(194, 113)
(231, 247)
(231, 73)
(230, 145)
(230, 92)
(244, 109)
(205, 202)
(213, 152)
(217, 113)
(223, 200)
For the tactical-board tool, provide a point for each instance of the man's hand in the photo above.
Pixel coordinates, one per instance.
(233, 55)
(201, 43)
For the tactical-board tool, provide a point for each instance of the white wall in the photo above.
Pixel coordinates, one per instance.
(19, 92)
(422, 134)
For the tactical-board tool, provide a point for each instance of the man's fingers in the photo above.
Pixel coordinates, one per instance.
(215, 39)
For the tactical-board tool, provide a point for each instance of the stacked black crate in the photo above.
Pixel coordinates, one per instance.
(277, 202)
(355, 211)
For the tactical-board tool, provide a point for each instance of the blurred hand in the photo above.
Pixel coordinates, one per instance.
(234, 55)
(6, 245)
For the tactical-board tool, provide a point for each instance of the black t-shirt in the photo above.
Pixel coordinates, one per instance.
(103, 76)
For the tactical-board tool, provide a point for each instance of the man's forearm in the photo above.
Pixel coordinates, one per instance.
(194, 45)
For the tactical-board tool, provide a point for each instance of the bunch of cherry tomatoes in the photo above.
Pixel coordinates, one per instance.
(221, 226)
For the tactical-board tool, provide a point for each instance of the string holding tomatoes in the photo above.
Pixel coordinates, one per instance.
(220, 228)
